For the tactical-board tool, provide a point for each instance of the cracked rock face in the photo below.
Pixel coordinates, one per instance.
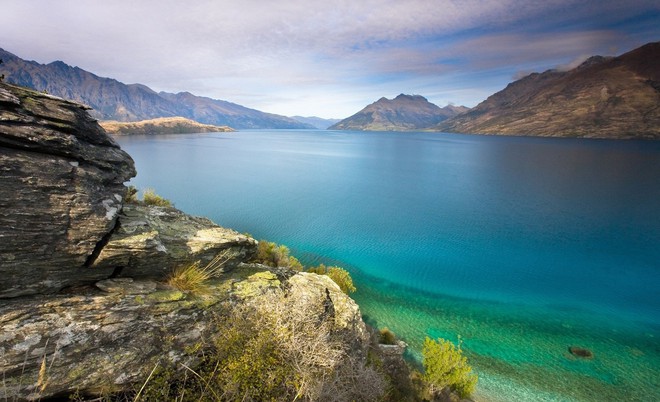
(61, 189)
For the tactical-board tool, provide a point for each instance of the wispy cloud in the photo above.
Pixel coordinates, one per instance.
(289, 54)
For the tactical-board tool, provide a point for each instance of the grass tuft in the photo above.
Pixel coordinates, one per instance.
(192, 278)
(151, 198)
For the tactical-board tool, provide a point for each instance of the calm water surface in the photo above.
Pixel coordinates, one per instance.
(522, 246)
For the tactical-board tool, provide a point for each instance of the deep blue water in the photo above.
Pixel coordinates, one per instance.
(523, 246)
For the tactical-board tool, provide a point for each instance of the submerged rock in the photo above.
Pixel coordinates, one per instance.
(581, 352)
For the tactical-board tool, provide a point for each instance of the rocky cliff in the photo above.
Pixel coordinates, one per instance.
(403, 113)
(605, 97)
(84, 305)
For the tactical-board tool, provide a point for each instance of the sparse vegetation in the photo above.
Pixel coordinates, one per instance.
(273, 255)
(386, 337)
(192, 278)
(273, 351)
(131, 195)
(339, 275)
(150, 197)
(446, 367)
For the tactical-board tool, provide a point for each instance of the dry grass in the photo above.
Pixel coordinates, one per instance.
(151, 198)
(192, 278)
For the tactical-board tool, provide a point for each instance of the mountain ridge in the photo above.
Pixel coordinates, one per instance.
(316, 121)
(403, 113)
(604, 97)
(111, 99)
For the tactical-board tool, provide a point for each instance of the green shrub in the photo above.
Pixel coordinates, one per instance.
(151, 198)
(339, 275)
(273, 255)
(445, 366)
(131, 195)
(342, 278)
(386, 337)
(321, 269)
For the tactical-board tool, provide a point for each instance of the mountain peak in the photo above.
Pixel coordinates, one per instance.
(411, 97)
(403, 113)
(604, 97)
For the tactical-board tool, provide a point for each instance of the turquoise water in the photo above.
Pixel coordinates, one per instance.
(522, 246)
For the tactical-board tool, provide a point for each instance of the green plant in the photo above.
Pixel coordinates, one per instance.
(339, 275)
(342, 278)
(131, 195)
(151, 198)
(386, 337)
(273, 255)
(445, 366)
(192, 278)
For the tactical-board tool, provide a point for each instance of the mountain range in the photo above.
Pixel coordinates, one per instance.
(317, 122)
(403, 113)
(604, 97)
(114, 100)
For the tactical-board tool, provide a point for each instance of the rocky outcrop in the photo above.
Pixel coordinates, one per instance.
(61, 190)
(150, 241)
(108, 337)
(85, 307)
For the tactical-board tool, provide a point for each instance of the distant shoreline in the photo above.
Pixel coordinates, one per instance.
(162, 125)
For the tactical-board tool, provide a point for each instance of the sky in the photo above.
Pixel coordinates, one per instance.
(326, 58)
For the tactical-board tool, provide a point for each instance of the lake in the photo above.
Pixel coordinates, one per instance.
(522, 246)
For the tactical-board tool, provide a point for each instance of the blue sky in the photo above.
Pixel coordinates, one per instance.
(326, 58)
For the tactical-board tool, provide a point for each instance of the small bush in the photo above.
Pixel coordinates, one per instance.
(131, 195)
(445, 366)
(273, 255)
(339, 275)
(151, 198)
(342, 278)
(386, 337)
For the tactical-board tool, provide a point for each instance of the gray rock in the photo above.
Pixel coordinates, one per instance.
(98, 341)
(61, 190)
(150, 241)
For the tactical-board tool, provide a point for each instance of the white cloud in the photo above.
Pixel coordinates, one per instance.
(294, 53)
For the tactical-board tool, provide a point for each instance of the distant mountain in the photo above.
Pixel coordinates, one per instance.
(113, 100)
(604, 97)
(317, 122)
(403, 113)
(161, 125)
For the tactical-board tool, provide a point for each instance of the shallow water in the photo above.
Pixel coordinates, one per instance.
(522, 246)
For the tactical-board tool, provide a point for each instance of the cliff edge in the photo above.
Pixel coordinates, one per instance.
(85, 305)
